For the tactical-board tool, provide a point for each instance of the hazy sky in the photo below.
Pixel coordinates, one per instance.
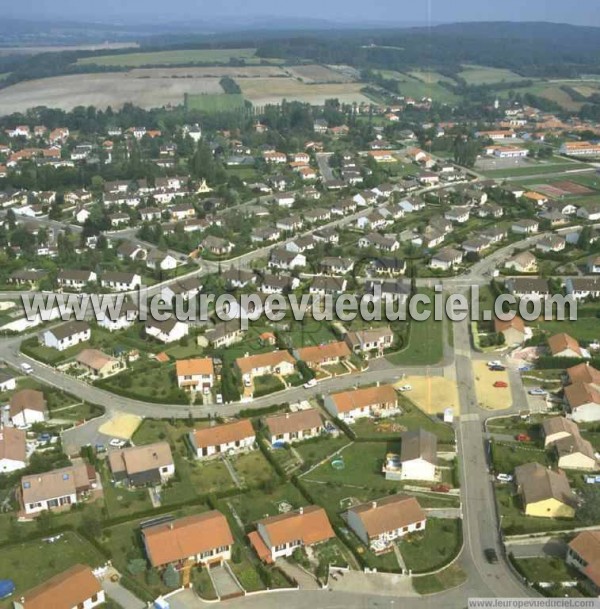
(584, 12)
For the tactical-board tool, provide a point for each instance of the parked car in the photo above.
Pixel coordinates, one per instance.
(247, 383)
(502, 384)
(504, 478)
(219, 398)
(116, 443)
(525, 368)
(405, 388)
(522, 437)
(206, 390)
(497, 368)
(310, 383)
(491, 556)
(494, 362)
(538, 391)
(440, 488)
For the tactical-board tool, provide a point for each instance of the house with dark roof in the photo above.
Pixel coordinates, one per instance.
(418, 455)
(141, 465)
(67, 335)
(167, 331)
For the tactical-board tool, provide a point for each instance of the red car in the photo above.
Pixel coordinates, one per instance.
(500, 384)
(441, 488)
(522, 437)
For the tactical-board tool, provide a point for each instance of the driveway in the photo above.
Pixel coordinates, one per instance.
(225, 584)
(120, 594)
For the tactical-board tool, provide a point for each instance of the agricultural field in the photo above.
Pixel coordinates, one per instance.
(418, 88)
(213, 103)
(166, 58)
(430, 77)
(484, 75)
(102, 90)
(552, 91)
(263, 91)
(318, 74)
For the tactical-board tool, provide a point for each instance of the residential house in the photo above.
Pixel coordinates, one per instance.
(278, 284)
(512, 329)
(388, 266)
(581, 288)
(387, 291)
(418, 455)
(524, 262)
(119, 281)
(544, 492)
(446, 259)
(551, 243)
(284, 199)
(589, 212)
(293, 427)
(336, 265)
(290, 224)
(59, 489)
(201, 539)
(197, 374)
(326, 354)
(225, 334)
(75, 279)
(525, 227)
(584, 373)
(575, 453)
(378, 401)
(235, 437)
(13, 449)
(67, 335)
(583, 554)
(583, 402)
(380, 242)
(98, 364)
(167, 331)
(122, 319)
(381, 522)
(279, 536)
(321, 286)
(216, 245)
(27, 406)
(185, 289)
(460, 215)
(8, 380)
(265, 234)
(142, 465)
(528, 287)
(564, 345)
(76, 587)
(275, 362)
(27, 277)
(558, 428)
(131, 251)
(364, 342)
(284, 259)
(161, 261)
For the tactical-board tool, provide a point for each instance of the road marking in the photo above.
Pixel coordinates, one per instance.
(469, 417)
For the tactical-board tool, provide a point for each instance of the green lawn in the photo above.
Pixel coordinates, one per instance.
(444, 580)
(263, 385)
(485, 75)
(417, 88)
(254, 505)
(584, 328)
(213, 103)
(430, 550)
(412, 418)
(546, 569)
(166, 58)
(363, 462)
(505, 457)
(425, 345)
(33, 562)
(253, 468)
(535, 170)
(314, 451)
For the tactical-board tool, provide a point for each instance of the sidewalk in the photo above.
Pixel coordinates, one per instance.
(380, 584)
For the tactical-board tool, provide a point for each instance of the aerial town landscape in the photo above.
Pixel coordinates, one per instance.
(251, 456)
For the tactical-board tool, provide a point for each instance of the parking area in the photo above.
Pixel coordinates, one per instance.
(492, 387)
(432, 394)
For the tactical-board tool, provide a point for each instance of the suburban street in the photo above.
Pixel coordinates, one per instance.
(480, 522)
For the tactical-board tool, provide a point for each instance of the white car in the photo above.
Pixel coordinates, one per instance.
(405, 388)
(26, 368)
(116, 443)
(504, 478)
(309, 384)
(247, 383)
(206, 390)
(219, 398)
(538, 391)
(493, 363)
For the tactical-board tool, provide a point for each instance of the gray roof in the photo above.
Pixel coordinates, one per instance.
(69, 329)
(419, 444)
